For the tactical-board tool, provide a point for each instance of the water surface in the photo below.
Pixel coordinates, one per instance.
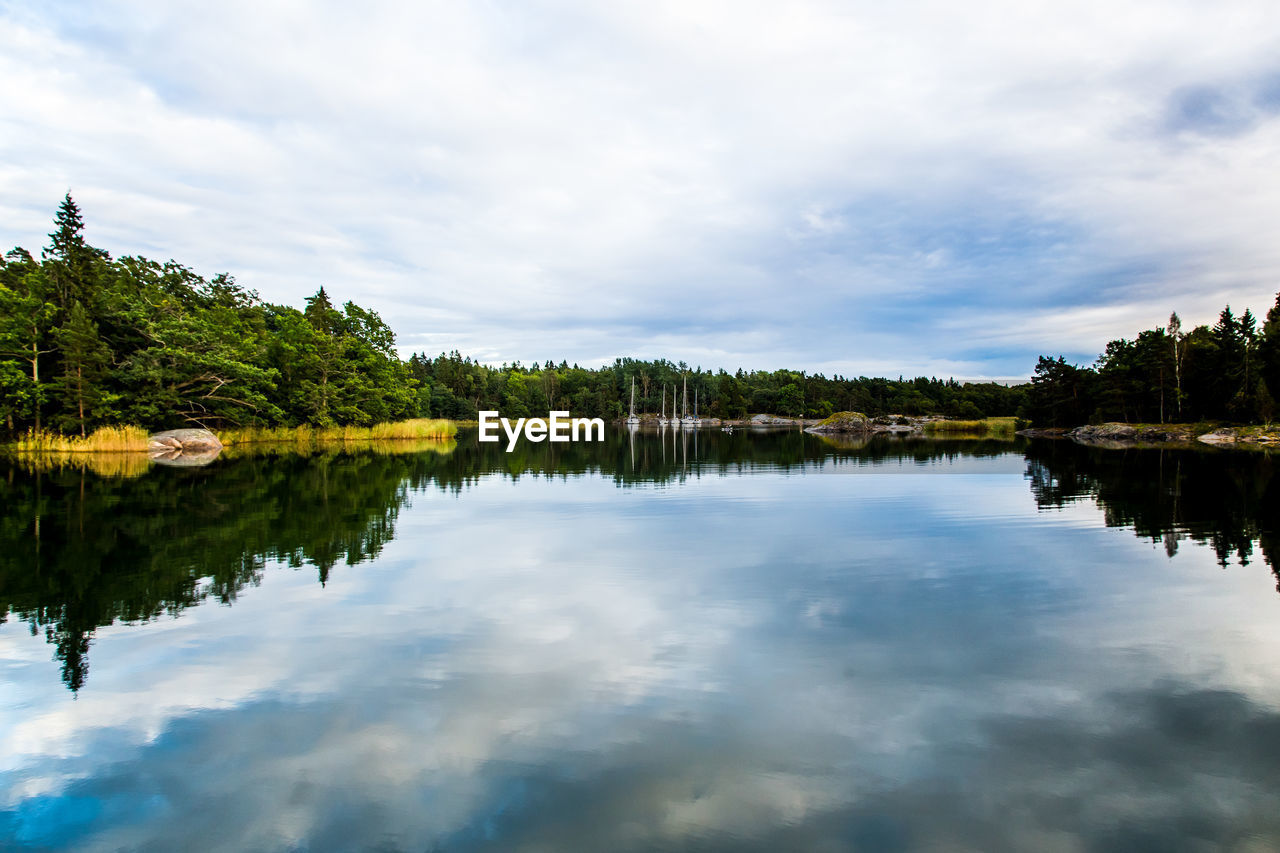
(665, 642)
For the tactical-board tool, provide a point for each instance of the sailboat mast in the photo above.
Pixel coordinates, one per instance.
(633, 397)
(686, 398)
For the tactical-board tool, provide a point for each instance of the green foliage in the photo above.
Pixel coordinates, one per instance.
(460, 387)
(86, 340)
(1227, 372)
(1061, 394)
(81, 387)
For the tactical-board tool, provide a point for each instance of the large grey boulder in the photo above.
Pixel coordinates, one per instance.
(185, 441)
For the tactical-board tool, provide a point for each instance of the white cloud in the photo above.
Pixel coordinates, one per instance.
(574, 180)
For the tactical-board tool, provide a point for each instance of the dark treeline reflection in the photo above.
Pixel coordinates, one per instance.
(79, 551)
(651, 456)
(1229, 500)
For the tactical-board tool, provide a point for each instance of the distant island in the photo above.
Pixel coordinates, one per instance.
(89, 341)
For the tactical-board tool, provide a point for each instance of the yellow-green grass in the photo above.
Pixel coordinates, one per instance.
(416, 430)
(109, 465)
(113, 439)
(381, 447)
(986, 427)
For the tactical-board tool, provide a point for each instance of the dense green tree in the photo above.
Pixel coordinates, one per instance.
(26, 320)
(791, 400)
(1229, 371)
(1269, 362)
(85, 359)
(1061, 394)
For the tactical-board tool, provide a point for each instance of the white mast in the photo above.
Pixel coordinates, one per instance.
(631, 418)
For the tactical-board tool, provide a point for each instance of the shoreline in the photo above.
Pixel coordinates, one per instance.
(1121, 436)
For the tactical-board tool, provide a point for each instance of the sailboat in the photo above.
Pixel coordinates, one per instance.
(662, 419)
(632, 418)
(685, 419)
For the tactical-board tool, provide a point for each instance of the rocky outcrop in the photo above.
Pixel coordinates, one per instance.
(900, 424)
(844, 422)
(1118, 435)
(1130, 434)
(1247, 436)
(185, 441)
(771, 420)
(858, 423)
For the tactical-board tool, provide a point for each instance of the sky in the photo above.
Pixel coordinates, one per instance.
(918, 188)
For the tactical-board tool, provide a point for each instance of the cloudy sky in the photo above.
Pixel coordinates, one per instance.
(857, 188)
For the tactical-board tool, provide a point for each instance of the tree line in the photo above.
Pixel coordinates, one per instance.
(455, 386)
(1226, 372)
(88, 340)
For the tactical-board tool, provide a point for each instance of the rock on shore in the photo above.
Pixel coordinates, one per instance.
(190, 441)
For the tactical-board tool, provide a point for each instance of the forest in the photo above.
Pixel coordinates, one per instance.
(87, 340)
(1226, 372)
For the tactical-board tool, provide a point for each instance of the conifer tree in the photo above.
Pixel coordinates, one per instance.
(68, 260)
(1269, 355)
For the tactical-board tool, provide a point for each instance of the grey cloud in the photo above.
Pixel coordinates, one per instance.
(1208, 111)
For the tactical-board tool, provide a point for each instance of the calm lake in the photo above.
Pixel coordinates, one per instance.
(717, 641)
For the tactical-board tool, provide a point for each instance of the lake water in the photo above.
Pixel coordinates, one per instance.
(712, 642)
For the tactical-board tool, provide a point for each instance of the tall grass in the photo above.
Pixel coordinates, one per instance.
(417, 429)
(114, 439)
(986, 428)
(380, 447)
(133, 439)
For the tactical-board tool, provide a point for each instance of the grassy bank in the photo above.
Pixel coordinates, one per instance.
(132, 439)
(986, 428)
(115, 439)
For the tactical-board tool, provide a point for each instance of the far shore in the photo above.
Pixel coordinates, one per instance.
(133, 439)
(1122, 435)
